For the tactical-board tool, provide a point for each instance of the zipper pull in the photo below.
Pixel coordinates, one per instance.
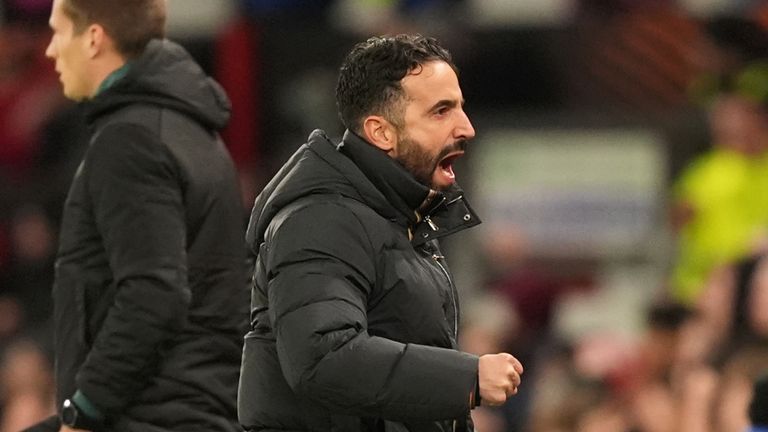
(432, 225)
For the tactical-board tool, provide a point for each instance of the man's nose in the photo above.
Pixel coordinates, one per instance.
(49, 50)
(464, 128)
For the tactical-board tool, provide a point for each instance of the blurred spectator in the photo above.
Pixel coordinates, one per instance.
(697, 387)
(564, 399)
(652, 400)
(719, 208)
(490, 325)
(731, 312)
(532, 285)
(735, 389)
(30, 103)
(639, 375)
(716, 399)
(29, 277)
(29, 94)
(605, 384)
(27, 386)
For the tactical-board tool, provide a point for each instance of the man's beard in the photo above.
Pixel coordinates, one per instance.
(419, 162)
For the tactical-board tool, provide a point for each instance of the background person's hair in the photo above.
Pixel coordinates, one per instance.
(369, 79)
(130, 23)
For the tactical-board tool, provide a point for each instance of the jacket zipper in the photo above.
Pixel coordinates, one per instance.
(451, 287)
(431, 223)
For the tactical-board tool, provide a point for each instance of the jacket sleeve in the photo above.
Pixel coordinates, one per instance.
(321, 266)
(136, 195)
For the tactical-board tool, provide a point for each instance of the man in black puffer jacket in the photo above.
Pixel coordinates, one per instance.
(354, 314)
(150, 286)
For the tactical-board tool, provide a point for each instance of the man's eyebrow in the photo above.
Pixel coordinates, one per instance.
(445, 103)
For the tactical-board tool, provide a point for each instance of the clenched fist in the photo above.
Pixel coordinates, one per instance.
(498, 377)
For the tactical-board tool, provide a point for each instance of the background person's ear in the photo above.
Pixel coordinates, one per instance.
(96, 40)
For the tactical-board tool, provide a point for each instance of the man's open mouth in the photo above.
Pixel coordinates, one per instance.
(446, 164)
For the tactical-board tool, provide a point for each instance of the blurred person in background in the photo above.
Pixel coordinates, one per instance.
(27, 390)
(731, 311)
(489, 325)
(647, 383)
(25, 284)
(29, 93)
(734, 391)
(597, 386)
(30, 101)
(567, 399)
(354, 312)
(716, 398)
(719, 210)
(149, 299)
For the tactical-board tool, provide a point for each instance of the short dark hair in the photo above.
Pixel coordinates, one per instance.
(130, 23)
(369, 79)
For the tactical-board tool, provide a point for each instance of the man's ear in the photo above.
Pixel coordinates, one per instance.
(96, 40)
(379, 132)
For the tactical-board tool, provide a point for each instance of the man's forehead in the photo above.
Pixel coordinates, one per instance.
(55, 13)
(426, 69)
(435, 79)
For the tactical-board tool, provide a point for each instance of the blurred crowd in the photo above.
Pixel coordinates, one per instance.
(693, 363)
(702, 343)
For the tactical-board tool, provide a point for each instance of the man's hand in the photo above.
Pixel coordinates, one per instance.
(498, 377)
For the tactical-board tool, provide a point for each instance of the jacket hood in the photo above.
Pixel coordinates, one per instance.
(356, 170)
(166, 75)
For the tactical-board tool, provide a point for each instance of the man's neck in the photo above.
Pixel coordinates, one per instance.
(106, 68)
(113, 77)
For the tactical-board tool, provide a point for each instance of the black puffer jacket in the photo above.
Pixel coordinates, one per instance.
(150, 292)
(353, 323)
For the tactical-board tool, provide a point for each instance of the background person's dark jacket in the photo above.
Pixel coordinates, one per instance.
(150, 293)
(353, 324)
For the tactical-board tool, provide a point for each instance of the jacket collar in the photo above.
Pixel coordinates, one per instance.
(448, 213)
(398, 186)
(426, 213)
